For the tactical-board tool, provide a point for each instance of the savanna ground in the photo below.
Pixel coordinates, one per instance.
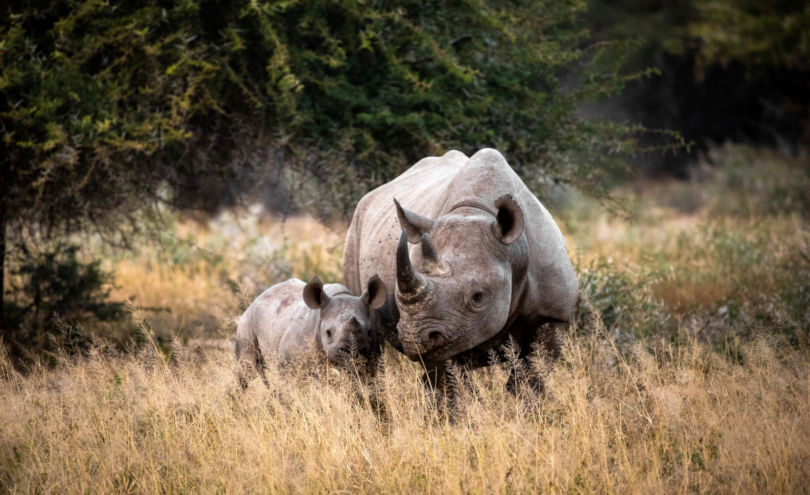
(686, 369)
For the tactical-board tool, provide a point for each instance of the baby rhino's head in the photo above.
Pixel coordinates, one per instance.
(344, 328)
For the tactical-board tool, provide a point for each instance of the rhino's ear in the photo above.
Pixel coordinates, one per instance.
(509, 222)
(314, 295)
(413, 223)
(376, 293)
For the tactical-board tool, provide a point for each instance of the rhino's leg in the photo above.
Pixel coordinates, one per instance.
(368, 383)
(549, 338)
(433, 378)
(522, 379)
(259, 363)
(438, 393)
(243, 371)
(377, 389)
(445, 385)
(545, 345)
(249, 360)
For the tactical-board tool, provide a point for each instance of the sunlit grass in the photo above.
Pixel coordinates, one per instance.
(661, 417)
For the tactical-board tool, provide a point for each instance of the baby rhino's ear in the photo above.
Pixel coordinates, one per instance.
(376, 293)
(314, 295)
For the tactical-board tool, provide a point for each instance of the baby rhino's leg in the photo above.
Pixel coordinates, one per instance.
(243, 372)
(249, 360)
(259, 363)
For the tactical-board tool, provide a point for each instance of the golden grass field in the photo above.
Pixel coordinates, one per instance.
(687, 368)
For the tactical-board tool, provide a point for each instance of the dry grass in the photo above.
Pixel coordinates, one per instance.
(697, 262)
(687, 369)
(664, 417)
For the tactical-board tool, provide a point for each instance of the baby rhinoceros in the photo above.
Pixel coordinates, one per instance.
(292, 322)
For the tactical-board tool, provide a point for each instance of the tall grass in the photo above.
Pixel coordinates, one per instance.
(687, 369)
(665, 416)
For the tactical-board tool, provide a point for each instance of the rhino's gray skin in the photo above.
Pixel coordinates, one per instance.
(295, 322)
(493, 262)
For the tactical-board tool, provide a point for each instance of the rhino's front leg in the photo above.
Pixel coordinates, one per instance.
(444, 384)
(523, 379)
(434, 379)
(536, 356)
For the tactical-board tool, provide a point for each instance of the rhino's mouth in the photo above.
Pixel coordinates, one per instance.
(425, 345)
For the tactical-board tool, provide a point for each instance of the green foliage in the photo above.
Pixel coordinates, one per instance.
(721, 70)
(641, 30)
(624, 300)
(757, 33)
(103, 104)
(737, 264)
(360, 91)
(91, 94)
(53, 294)
(750, 183)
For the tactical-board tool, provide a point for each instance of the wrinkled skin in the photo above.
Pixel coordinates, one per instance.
(474, 256)
(293, 323)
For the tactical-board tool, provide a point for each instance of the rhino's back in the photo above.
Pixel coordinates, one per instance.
(276, 315)
(374, 230)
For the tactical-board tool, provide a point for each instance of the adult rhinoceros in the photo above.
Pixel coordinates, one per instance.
(487, 260)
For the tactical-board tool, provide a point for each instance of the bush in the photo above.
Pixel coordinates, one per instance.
(53, 295)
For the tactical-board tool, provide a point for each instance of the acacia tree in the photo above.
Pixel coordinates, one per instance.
(108, 108)
(98, 103)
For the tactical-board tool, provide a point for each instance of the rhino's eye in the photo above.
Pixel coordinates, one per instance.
(478, 297)
(329, 332)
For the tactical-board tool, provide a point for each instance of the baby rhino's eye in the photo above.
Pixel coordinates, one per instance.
(478, 297)
(329, 332)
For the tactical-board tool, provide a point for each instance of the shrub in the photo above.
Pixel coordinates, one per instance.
(54, 294)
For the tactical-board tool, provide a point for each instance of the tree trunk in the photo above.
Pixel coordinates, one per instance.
(2, 270)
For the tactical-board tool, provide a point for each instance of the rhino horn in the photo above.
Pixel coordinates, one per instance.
(409, 282)
(429, 252)
(413, 223)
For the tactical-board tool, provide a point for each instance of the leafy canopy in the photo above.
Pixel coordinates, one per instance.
(105, 104)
